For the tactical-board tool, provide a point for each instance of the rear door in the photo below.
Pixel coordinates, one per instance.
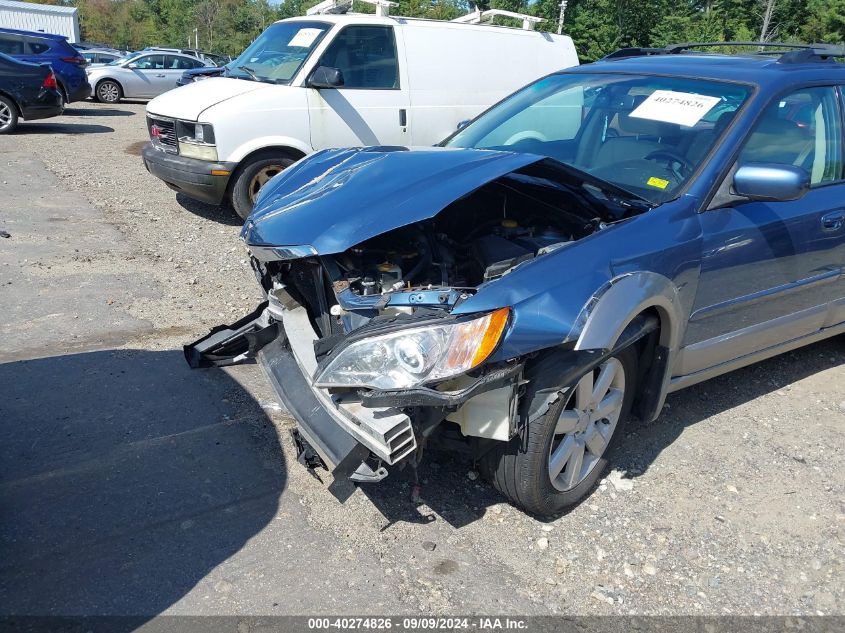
(174, 66)
(371, 108)
(771, 270)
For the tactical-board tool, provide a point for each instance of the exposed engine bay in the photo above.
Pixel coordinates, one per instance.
(432, 264)
(476, 239)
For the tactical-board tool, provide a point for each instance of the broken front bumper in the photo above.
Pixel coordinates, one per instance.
(344, 433)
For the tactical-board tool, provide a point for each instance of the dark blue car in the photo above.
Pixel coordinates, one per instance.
(44, 48)
(605, 236)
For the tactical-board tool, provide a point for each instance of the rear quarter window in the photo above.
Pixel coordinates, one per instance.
(36, 48)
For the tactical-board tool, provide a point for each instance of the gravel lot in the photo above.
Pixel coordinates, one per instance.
(732, 502)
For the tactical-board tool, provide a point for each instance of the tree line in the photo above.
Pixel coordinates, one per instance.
(597, 26)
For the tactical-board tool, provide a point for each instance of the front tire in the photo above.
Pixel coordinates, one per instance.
(556, 460)
(8, 115)
(252, 176)
(109, 91)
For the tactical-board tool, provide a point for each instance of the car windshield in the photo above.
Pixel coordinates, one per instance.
(279, 52)
(646, 135)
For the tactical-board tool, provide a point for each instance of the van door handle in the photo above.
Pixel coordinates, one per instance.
(403, 117)
(162, 75)
(833, 221)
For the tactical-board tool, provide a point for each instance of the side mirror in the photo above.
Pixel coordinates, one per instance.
(462, 124)
(771, 182)
(325, 77)
(132, 66)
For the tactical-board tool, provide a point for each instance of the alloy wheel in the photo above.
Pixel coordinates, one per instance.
(260, 179)
(586, 424)
(108, 92)
(5, 115)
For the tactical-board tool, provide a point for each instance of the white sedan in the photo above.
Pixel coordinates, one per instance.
(142, 76)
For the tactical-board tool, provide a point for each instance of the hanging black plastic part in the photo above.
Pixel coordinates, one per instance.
(232, 344)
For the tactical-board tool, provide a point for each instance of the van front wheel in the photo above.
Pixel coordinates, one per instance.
(252, 176)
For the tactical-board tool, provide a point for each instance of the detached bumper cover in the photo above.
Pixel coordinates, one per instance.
(188, 175)
(340, 452)
(343, 434)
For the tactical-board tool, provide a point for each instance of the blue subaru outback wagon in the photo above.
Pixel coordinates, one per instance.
(605, 236)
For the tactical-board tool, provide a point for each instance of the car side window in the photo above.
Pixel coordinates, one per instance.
(10, 45)
(36, 48)
(150, 62)
(802, 129)
(366, 55)
(184, 63)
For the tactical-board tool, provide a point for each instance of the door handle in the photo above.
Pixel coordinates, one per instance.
(833, 221)
(403, 117)
(161, 76)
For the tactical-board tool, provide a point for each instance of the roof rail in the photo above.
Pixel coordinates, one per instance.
(479, 17)
(813, 53)
(635, 51)
(796, 53)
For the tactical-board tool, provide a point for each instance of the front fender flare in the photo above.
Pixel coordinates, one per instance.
(623, 298)
(614, 308)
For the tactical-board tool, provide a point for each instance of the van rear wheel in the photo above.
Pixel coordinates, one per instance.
(252, 176)
(556, 459)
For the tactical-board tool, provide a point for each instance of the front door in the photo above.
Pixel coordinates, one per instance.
(770, 270)
(371, 107)
(140, 77)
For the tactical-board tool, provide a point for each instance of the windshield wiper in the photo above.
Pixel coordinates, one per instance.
(614, 190)
(249, 71)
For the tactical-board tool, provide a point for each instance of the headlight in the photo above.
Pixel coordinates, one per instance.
(414, 356)
(196, 140)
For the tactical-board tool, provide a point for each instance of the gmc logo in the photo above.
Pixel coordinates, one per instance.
(155, 131)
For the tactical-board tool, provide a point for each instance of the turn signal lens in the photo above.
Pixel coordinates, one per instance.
(495, 327)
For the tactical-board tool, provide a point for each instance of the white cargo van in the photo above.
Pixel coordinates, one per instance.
(323, 81)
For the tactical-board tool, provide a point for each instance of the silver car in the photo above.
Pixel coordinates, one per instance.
(143, 76)
(100, 57)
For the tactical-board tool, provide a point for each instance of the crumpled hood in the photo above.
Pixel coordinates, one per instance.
(188, 102)
(336, 199)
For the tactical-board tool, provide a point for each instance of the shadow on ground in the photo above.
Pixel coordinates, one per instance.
(124, 479)
(63, 128)
(221, 213)
(99, 111)
(448, 491)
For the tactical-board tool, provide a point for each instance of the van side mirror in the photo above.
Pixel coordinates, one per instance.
(462, 124)
(325, 77)
(771, 182)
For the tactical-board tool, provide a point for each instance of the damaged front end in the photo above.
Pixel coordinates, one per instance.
(366, 258)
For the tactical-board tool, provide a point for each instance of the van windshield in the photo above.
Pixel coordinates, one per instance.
(644, 134)
(279, 52)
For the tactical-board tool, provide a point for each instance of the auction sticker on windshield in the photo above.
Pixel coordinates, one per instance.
(669, 106)
(304, 37)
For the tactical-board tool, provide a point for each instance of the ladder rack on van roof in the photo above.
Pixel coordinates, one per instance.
(480, 17)
(341, 7)
(328, 7)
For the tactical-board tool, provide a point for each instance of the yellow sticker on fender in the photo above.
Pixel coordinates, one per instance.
(657, 182)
